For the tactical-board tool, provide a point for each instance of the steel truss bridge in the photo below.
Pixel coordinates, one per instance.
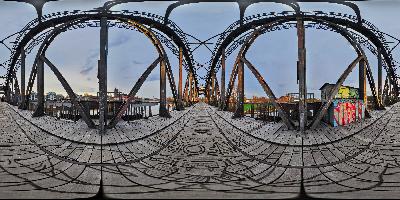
(200, 149)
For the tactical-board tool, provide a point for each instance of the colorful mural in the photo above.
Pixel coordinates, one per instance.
(346, 92)
(345, 111)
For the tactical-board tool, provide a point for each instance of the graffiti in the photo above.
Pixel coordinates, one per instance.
(345, 111)
(346, 92)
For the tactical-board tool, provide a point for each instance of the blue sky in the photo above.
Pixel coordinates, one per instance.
(274, 54)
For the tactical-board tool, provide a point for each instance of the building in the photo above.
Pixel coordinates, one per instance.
(59, 97)
(51, 96)
(347, 106)
(33, 96)
(345, 92)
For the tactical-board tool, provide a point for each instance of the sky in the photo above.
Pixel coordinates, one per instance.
(76, 52)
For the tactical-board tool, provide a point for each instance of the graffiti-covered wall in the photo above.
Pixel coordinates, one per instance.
(345, 111)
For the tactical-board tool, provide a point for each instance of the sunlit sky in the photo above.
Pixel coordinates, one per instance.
(274, 54)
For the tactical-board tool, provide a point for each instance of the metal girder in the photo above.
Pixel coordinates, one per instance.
(171, 80)
(169, 30)
(186, 90)
(240, 92)
(16, 89)
(133, 92)
(102, 75)
(379, 74)
(40, 89)
(301, 75)
(163, 91)
(31, 81)
(180, 101)
(362, 81)
(216, 93)
(232, 80)
(212, 92)
(271, 95)
(229, 38)
(23, 58)
(189, 90)
(318, 117)
(371, 82)
(244, 4)
(222, 96)
(84, 113)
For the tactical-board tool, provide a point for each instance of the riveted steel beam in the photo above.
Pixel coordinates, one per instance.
(380, 75)
(40, 89)
(232, 80)
(301, 70)
(333, 92)
(83, 113)
(271, 95)
(23, 63)
(222, 97)
(180, 93)
(133, 92)
(163, 111)
(102, 75)
(240, 92)
(171, 81)
(362, 81)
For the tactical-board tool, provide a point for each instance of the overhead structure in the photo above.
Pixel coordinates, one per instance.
(358, 32)
(163, 33)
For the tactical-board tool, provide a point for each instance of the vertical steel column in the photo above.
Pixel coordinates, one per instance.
(212, 96)
(216, 92)
(180, 102)
(190, 88)
(362, 81)
(222, 100)
(163, 90)
(102, 75)
(40, 89)
(301, 70)
(240, 92)
(16, 92)
(22, 100)
(380, 76)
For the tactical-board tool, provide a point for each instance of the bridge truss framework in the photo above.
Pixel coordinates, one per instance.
(162, 32)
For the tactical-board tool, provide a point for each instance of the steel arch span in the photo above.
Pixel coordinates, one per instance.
(208, 147)
(356, 30)
(34, 34)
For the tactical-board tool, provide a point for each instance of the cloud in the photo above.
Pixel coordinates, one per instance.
(135, 62)
(153, 77)
(87, 89)
(118, 40)
(91, 62)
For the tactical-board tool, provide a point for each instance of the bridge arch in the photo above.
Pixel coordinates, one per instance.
(260, 27)
(174, 37)
(235, 31)
(142, 24)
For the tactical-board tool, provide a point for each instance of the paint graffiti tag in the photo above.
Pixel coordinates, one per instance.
(347, 111)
